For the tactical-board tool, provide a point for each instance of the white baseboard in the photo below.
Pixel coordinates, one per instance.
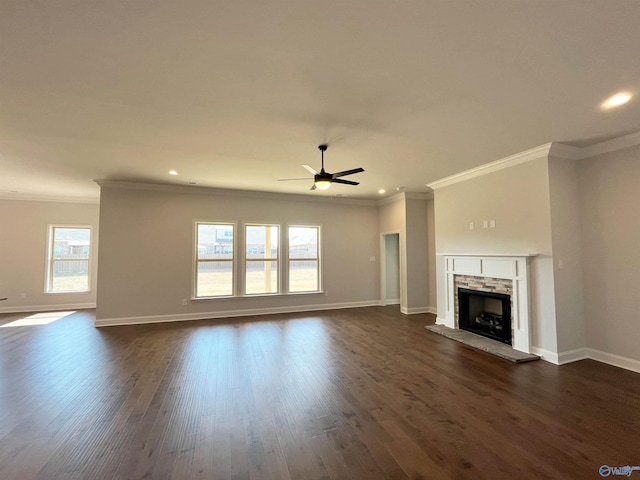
(185, 317)
(48, 308)
(440, 320)
(615, 360)
(394, 301)
(569, 356)
(546, 355)
(433, 310)
(413, 311)
(573, 355)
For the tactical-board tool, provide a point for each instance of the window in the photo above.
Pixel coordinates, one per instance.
(261, 259)
(214, 260)
(304, 272)
(68, 260)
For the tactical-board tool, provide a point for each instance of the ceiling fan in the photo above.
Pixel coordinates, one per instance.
(323, 180)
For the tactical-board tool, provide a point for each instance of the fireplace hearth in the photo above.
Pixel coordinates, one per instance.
(485, 313)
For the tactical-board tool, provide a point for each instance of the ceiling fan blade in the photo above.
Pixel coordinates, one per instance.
(287, 179)
(345, 182)
(310, 168)
(313, 187)
(348, 172)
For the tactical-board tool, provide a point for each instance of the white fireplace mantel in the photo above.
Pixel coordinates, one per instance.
(514, 267)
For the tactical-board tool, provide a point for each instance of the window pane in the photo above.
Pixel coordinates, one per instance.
(215, 241)
(261, 277)
(303, 276)
(70, 276)
(261, 241)
(214, 279)
(71, 243)
(69, 268)
(303, 242)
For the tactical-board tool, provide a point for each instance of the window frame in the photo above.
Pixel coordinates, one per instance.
(197, 261)
(49, 276)
(317, 259)
(246, 260)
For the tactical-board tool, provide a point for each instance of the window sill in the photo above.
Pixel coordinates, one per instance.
(70, 292)
(261, 295)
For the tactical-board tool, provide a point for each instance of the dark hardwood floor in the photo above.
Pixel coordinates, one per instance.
(363, 393)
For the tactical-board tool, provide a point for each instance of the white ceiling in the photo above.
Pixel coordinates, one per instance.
(238, 94)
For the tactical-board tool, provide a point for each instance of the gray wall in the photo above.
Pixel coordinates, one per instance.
(567, 254)
(518, 199)
(409, 215)
(610, 198)
(23, 253)
(146, 263)
(392, 267)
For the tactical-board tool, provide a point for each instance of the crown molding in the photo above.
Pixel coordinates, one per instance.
(626, 141)
(510, 161)
(27, 197)
(553, 149)
(210, 191)
(562, 150)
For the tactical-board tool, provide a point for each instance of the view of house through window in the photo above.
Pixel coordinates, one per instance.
(68, 262)
(261, 259)
(214, 260)
(304, 274)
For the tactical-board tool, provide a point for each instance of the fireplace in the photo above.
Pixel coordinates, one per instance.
(485, 313)
(491, 273)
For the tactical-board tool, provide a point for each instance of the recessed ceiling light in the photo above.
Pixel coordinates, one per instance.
(172, 172)
(616, 100)
(381, 191)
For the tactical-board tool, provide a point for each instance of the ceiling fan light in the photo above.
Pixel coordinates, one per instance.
(322, 184)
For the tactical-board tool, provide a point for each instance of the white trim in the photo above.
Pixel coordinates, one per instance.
(561, 150)
(615, 360)
(630, 140)
(107, 322)
(48, 308)
(29, 197)
(572, 356)
(414, 310)
(553, 149)
(441, 321)
(546, 355)
(198, 190)
(506, 255)
(522, 157)
(393, 301)
(433, 310)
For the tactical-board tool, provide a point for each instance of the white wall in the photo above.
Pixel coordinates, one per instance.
(517, 198)
(610, 199)
(23, 253)
(146, 255)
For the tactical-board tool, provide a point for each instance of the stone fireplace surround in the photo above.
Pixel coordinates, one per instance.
(491, 272)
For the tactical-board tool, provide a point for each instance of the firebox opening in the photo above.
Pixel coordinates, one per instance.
(485, 313)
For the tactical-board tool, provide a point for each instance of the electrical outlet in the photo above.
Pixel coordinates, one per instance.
(23, 295)
(472, 225)
(185, 301)
(372, 259)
